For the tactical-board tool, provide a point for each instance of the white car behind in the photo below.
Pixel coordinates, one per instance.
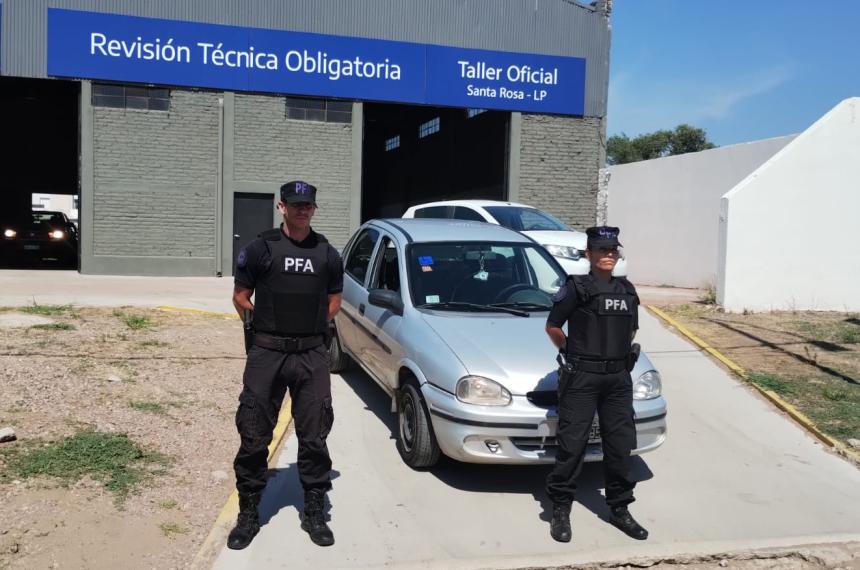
(566, 244)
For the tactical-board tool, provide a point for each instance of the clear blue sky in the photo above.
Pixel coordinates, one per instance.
(742, 70)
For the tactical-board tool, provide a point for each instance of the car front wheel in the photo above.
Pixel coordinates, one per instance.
(338, 360)
(415, 440)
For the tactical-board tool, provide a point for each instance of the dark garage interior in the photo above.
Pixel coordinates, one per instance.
(40, 155)
(415, 154)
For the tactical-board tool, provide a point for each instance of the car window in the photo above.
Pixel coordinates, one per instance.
(387, 272)
(482, 273)
(432, 212)
(525, 219)
(358, 258)
(464, 213)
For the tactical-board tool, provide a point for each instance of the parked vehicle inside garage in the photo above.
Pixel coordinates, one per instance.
(448, 318)
(43, 237)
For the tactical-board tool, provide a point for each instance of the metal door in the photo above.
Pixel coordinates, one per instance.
(252, 214)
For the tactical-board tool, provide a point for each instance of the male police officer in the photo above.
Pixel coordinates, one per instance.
(298, 279)
(601, 312)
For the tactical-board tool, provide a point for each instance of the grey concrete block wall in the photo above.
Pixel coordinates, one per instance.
(559, 162)
(154, 183)
(272, 149)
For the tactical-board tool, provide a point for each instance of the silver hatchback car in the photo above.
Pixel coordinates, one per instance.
(448, 318)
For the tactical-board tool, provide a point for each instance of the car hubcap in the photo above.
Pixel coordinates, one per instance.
(407, 422)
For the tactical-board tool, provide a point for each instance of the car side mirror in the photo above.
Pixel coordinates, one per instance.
(386, 299)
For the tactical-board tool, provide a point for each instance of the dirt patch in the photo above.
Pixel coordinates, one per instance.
(170, 381)
(811, 359)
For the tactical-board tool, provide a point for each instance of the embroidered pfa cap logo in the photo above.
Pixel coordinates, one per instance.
(603, 236)
(298, 191)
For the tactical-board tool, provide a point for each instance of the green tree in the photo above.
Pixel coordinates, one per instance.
(621, 149)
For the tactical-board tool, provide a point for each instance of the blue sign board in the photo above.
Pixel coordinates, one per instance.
(169, 52)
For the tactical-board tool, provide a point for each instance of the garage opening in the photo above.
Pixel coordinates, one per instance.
(39, 173)
(415, 154)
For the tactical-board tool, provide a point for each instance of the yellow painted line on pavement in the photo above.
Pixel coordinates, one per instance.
(170, 309)
(225, 519)
(773, 397)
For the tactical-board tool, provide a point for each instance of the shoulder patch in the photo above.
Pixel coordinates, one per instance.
(242, 260)
(560, 294)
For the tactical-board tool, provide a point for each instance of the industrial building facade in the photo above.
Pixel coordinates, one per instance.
(177, 156)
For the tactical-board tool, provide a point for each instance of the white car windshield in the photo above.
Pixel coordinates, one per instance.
(482, 276)
(525, 219)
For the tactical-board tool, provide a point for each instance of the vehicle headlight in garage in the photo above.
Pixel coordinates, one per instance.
(480, 390)
(57, 234)
(648, 386)
(9, 233)
(564, 251)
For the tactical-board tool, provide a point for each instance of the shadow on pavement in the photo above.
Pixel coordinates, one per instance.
(481, 478)
(284, 490)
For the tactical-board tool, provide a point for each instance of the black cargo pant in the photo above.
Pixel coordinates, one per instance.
(611, 396)
(268, 375)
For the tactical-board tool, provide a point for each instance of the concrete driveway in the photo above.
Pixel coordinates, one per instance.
(733, 474)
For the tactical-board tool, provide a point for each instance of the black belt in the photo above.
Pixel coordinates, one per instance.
(288, 343)
(598, 366)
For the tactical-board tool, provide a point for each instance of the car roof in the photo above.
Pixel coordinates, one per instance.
(443, 230)
(479, 203)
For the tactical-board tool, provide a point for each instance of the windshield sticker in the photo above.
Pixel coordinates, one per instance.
(431, 299)
(425, 260)
(426, 269)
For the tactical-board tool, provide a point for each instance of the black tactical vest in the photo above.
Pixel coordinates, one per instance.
(601, 326)
(291, 295)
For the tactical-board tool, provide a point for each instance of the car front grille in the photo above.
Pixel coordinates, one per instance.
(546, 443)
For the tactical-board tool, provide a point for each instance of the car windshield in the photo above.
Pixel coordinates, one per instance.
(478, 276)
(525, 219)
(47, 219)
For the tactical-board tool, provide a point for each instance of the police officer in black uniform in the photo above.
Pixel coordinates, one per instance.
(601, 312)
(297, 279)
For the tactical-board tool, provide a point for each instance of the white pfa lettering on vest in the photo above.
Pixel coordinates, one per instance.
(615, 305)
(298, 265)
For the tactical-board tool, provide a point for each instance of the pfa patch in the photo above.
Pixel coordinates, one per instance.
(614, 305)
(299, 265)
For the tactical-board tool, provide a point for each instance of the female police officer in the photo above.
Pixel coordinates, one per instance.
(298, 279)
(601, 315)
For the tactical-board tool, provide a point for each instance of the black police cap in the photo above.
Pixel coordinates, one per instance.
(603, 236)
(298, 191)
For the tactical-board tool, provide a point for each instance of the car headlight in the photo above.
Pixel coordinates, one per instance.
(9, 233)
(564, 251)
(648, 386)
(57, 234)
(483, 391)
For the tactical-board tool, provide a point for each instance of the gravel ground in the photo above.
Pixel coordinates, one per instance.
(171, 385)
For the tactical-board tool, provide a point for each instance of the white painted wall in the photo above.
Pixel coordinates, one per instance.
(668, 210)
(790, 232)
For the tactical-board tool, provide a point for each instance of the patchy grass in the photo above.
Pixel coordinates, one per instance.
(146, 406)
(168, 504)
(47, 310)
(808, 358)
(114, 459)
(771, 382)
(54, 327)
(171, 529)
(709, 294)
(134, 322)
(154, 343)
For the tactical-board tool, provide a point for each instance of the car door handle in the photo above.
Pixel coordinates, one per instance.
(236, 236)
(361, 309)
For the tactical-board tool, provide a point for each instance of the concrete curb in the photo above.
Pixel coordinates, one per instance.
(773, 397)
(170, 309)
(224, 521)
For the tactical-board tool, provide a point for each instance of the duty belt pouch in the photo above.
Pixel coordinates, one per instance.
(633, 356)
(566, 370)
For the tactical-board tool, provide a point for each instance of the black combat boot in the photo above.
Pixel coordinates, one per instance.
(247, 523)
(622, 519)
(313, 521)
(559, 528)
